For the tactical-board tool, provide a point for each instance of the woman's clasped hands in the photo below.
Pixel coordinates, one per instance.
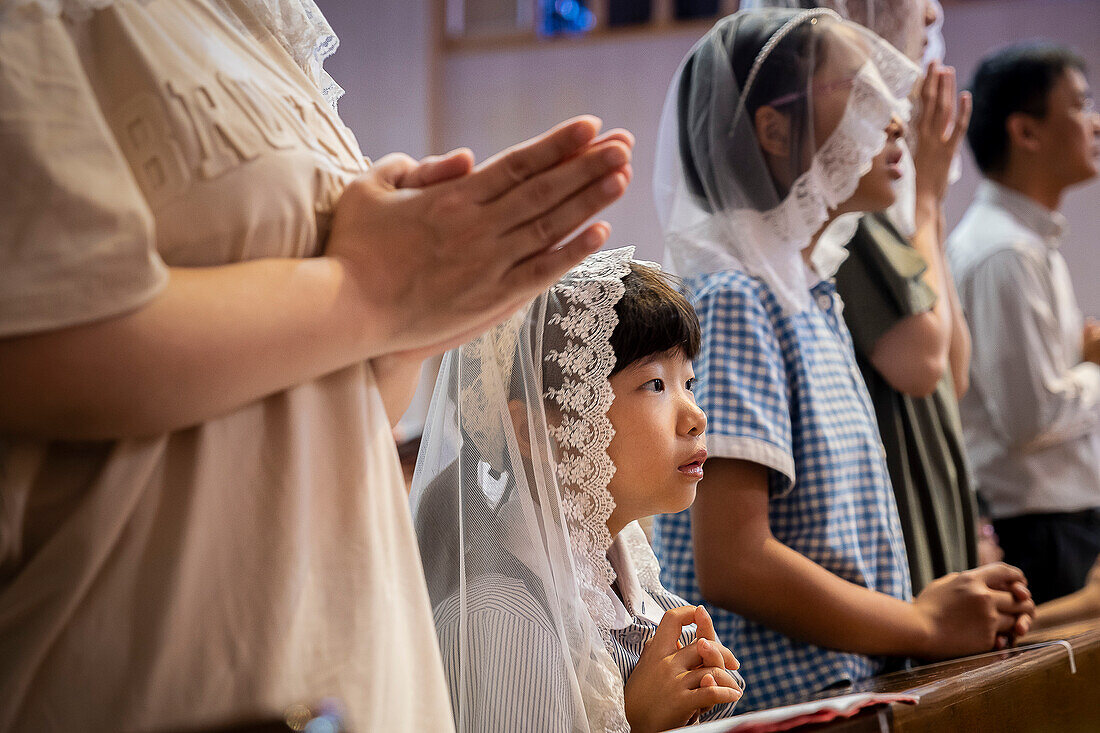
(439, 251)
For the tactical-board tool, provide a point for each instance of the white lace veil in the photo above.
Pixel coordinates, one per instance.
(510, 504)
(901, 23)
(898, 22)
(302, 30)
(936, 48)
(718, 201)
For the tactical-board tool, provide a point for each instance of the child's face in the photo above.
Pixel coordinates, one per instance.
(658, 448)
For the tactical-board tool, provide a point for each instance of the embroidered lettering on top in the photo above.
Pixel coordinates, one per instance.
(235, 119)
(209, 129)
(260, 110)
(328, 136)
(223, 143)
(145, 137)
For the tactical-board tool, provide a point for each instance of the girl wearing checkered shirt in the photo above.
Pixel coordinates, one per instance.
(781, 125)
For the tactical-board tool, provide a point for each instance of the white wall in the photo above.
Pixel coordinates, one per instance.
(384, 66)
(495, 98)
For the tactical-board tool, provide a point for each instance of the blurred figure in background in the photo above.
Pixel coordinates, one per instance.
(1032, 415)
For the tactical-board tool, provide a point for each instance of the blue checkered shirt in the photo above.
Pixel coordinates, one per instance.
(784, 391)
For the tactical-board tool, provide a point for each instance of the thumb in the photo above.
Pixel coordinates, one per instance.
(704, 625)
(666, 638)
(439, 168)
(391, 170)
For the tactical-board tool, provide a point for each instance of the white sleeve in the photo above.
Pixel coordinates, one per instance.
(1032, 394)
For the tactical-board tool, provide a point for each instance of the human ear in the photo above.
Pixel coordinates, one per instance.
(1023, 132)
(930, 13)
(773, 132)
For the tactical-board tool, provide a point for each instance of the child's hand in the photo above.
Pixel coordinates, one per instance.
(940, 125)
(714, 653)
(966, 611)
(670, 682)
(704, 629)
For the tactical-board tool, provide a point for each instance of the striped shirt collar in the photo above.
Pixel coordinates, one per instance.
(635, 603)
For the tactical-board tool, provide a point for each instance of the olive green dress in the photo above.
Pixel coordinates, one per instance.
(881, 284)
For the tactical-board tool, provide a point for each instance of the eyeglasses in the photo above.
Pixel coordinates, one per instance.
(816, 89)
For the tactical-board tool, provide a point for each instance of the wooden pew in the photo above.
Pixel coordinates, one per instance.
(1024, 689)
(1029, 688)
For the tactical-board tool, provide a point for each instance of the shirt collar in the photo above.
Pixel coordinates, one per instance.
(1049, 225)
(635, 602)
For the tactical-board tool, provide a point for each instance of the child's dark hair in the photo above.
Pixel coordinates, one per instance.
(1014, 79)
(654, 317)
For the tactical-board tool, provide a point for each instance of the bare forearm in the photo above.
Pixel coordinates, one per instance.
(959, 353)
(938, 128)
(743, 567)
(914, 353)
(788, 592)
(927, 241)
(213, 340)
(1079, 606)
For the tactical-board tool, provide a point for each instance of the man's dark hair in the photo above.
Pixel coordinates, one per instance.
(1018, 78)
(653, 318)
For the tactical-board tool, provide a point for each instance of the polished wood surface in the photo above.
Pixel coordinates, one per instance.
(1029, 688)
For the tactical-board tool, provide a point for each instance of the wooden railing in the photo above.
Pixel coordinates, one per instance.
(1041, 685)
(1049, 683)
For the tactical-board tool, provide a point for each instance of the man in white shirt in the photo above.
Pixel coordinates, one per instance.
(1032, 415)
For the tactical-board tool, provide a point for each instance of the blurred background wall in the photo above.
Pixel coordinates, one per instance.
(404, 93)
(408, 91)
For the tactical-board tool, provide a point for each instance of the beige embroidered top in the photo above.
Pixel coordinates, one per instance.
(260, 559)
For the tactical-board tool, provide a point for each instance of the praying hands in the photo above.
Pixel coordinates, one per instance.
(673, 683)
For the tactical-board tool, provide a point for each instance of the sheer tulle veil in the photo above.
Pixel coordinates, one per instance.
(902, 24)
(720, 203)
(510, 504)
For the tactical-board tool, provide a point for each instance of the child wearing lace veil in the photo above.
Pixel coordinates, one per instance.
(779, 128)
(546, 440)
(910, 336)
(914, 27)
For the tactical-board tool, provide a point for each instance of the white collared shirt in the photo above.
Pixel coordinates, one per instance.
(518, 680)
(1032, 416)
(639, 613)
